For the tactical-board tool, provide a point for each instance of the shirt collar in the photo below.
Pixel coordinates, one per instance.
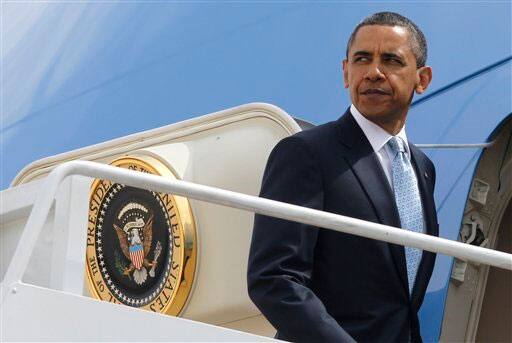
(376, 135)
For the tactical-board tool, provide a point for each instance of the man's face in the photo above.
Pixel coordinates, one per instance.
(381, 73)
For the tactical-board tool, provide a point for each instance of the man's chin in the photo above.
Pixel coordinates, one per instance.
(376, 115)
(384, 119)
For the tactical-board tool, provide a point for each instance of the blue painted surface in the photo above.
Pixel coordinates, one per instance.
(75, 74)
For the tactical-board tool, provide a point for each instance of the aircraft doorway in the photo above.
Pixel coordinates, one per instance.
(479, 302)
(496, 314)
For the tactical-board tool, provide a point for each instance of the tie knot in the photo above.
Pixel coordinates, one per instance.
(396, 145)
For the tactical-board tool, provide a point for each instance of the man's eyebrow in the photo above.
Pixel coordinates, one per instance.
(392, 55)
(361, 53)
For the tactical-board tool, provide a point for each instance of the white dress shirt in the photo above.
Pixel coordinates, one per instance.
(378, 137)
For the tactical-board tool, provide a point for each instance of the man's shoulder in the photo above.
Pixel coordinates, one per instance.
(423, 161)
(310, 144)
(421, 155)
(317, 135)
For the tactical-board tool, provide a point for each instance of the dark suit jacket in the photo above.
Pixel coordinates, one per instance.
(320, 285)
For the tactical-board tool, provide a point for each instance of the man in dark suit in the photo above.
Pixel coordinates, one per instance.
(320, 285)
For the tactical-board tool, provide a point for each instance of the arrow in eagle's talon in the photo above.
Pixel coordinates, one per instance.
(158, 250)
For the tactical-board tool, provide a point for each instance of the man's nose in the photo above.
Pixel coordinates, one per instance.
(374, 72)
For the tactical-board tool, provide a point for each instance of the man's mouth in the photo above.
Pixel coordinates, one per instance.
(375, 91)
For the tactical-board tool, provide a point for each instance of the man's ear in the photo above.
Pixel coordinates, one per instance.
(345, 73)
(424, 78)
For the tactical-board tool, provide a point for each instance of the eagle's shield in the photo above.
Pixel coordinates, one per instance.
(137, 255)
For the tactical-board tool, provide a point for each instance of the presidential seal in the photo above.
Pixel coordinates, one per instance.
(141, 249)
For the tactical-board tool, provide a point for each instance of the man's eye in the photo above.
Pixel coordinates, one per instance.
(395, 61)
(361, 59)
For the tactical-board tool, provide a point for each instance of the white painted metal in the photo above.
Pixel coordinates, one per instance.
(226, 150)
(57, 260)
(68, 238)
(242, 201)
(184, 130)
(232, 157)
(455, 146)
(15, 207)
(32, 313)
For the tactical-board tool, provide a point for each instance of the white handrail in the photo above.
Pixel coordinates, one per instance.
(455, 145)
(246, 202)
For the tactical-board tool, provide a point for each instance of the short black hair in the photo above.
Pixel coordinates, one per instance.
(419, 46)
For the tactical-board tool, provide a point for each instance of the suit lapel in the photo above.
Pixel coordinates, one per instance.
(365, 165)
(425, 185)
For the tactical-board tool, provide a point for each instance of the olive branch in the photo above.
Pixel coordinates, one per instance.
(120, 266)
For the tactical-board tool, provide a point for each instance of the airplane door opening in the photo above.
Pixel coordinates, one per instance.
(478, 306)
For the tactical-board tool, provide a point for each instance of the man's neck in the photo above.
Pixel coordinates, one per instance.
(376, 135)
(391, 124)
(394, 127)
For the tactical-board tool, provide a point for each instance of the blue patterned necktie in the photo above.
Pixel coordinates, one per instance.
(408, 202)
